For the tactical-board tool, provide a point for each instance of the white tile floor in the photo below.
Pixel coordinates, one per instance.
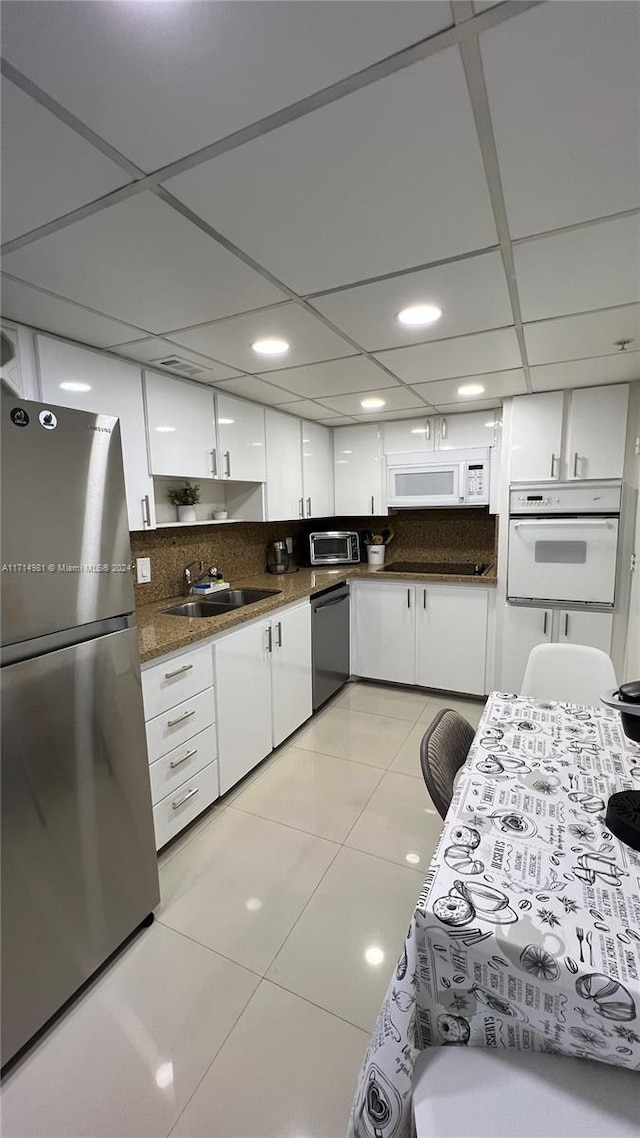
(245, 1010)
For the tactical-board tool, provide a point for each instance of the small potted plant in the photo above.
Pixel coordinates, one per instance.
(186, 499)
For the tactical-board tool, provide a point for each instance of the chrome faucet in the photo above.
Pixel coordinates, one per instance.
(188, 583)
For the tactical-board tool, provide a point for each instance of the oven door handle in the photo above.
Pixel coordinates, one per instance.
(570, 523)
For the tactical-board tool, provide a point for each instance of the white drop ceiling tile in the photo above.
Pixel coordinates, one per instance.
(564, 92)
(442, 359)
(388, 416)
(587, 268)
(161, 80)
(577, 337)
(472, 294)
(154, 349)
(620, 368)
(496, 385)
(230, 340)
(337, 377)
(395, 398)
(250, 387)
(141, 260)
(50, 313)
(367, 185)
(47, 169)
(307, 409)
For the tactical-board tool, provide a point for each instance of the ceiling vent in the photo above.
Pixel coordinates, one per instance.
(175, 363)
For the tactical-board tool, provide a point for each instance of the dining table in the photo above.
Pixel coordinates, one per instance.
(526, 931)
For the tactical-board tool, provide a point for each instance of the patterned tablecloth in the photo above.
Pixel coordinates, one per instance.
(526, 933)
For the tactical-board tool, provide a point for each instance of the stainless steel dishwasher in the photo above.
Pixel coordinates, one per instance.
(330, 641)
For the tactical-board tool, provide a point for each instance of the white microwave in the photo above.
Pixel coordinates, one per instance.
(454, 478)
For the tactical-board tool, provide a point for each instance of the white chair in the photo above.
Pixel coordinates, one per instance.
(573, 673)
(477, 1092)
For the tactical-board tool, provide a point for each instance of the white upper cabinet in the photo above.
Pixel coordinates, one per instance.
(594, 423)
(358, 471)
(284, 467)
(241, 439)
(111, 387)
(467, 429)
(596, 432)
(405, 436)
(181, 427)
(317, 470)
(536, 437)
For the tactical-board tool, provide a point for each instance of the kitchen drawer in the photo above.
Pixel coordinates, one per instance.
(174, 727)
(174, 812)
(165, 685)
(182, 763)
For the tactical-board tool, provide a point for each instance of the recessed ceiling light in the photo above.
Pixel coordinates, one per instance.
(164, 430)
(419, 314)
(471, 389)
(372, 404)
(226, 422)
(75, 386)
(270, 347)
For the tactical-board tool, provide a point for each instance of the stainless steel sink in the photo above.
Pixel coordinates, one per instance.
(238, 597)
(225, 601)
(201, 608)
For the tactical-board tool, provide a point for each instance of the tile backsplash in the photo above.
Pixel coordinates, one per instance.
(239, 549)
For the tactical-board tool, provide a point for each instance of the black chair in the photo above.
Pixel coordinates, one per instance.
(443, 750)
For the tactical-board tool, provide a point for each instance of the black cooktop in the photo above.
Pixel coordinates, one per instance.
(450, 568)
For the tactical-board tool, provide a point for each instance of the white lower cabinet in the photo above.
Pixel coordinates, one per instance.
(243, 686)
(524, 628)
(180, 712)
(290, 672)
(385, 631)
(451, 638)
(431, 635)
(263, 688)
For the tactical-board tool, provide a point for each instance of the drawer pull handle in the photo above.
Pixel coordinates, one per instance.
(185, 798)
(181, 718)
(178, 671)
(178, 762)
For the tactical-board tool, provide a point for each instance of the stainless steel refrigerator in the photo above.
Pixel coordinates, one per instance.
(79, 869)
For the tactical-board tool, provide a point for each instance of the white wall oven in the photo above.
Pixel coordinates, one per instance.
(563, 542)
(451, 478)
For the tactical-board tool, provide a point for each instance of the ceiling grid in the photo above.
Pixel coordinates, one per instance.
(359, 311)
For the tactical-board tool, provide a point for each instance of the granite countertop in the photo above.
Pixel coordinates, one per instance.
(159, 633)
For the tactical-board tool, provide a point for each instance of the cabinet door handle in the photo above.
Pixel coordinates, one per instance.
(554, 459)
(308, 507)
(427, 433)
(178, 671)
(146, 511)
(185, 798)
(575, 465)
(566, 624)
(269, 638)
(408, 598)
(227, 456)
(443, 428)
(300, 507)
(214, 463)
(180, 719)
(424, 599)
(545, 621)
(178, 762)
(373, 510)
(279, 631)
